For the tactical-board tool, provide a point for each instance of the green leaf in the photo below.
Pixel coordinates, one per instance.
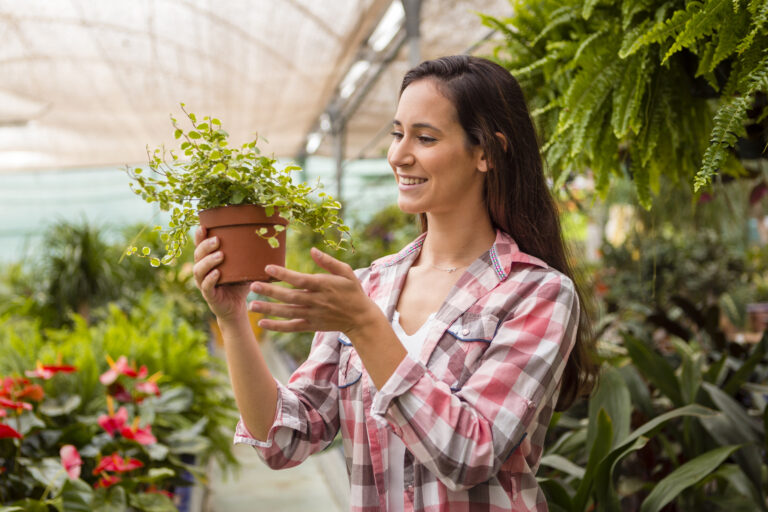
(51, 407)
(112, 499)
(175, 400)
(612, 396)
(560, 463)
(76, 496)
(685, 476)
(194, 135)
(655, 368)
(152, 502)
(177, 134)
(599, 449)
(740, 376)
(273, 242)
(735, 418)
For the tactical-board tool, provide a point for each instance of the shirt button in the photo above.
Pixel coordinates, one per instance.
(465, 332)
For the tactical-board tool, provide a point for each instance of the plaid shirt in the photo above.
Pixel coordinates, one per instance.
(472, 410)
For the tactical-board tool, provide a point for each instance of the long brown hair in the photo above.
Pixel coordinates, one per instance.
(488, 101)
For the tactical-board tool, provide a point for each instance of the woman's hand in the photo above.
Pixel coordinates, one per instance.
(225, 301)
(317, 302)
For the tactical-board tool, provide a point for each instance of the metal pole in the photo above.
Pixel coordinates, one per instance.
(339, 143)
(412, 22)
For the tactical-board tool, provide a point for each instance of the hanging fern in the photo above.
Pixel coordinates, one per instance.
(651, 88)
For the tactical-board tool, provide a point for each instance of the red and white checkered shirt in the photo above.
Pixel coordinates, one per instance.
(472, 410)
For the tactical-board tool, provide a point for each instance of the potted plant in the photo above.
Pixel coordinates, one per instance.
(237, 194)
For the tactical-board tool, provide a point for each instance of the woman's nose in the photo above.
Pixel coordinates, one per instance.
(399, 154)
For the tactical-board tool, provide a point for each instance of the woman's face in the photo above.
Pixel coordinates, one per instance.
(434, 169)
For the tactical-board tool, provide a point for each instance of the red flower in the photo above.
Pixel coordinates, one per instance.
(121, 367)
(47, 371)
(70, 459)
(106, 481)
(148, 387)
(154, 490)
(117, 464)
(138, 434)
(6, 431)
(119, 392)
(18, 406)
(113, 422)
(18, 387)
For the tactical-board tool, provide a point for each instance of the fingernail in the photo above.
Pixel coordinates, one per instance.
(218, 255)
(270, 269)
(256, 288)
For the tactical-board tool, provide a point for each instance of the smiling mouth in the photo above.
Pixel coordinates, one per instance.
(412, 181)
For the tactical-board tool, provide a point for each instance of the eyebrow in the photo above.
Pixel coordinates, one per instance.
(419, 125)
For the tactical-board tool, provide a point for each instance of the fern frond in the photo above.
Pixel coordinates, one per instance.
(663, 30)
(563, 16)
(729, 125)
(512, 36)
(702, 23)
(628, 96)
(641, 178)
(587, 8)
(759, 12)
(586, 43)
(729, 38)
(631, 37)
(629, 8)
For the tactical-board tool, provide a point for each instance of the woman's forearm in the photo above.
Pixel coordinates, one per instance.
(378, 346)
(254, 387)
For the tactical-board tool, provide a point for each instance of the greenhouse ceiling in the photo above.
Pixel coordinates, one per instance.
(92, 82)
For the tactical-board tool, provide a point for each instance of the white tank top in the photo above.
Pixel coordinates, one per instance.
(396, 450)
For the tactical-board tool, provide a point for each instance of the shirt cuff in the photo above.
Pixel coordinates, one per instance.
(286, 415)
(406, 375)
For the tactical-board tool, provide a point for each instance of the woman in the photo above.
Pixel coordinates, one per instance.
(441, 364)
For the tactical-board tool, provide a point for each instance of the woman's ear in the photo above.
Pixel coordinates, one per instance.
(484, 164)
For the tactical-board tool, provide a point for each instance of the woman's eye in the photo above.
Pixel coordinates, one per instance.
(426, 139)
(397, 135)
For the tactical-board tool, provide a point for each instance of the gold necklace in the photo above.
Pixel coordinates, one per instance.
(448, 269)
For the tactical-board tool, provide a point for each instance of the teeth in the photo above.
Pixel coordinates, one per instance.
(412, 181)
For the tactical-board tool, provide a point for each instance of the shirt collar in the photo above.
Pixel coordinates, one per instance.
(503, 254)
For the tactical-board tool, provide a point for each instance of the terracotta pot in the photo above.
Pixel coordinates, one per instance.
(246, 253)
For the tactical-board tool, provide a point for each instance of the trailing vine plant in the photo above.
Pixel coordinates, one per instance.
(648, 87)
(210, 174)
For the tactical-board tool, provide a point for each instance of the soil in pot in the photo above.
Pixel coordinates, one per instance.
(246, 253)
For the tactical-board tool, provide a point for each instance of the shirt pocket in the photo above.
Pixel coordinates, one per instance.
(350, 365)
(473, 334)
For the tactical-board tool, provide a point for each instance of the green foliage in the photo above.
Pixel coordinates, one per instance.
(194, 414)
(79, 272)
(588, 466)
(210, 175)
(653, 88)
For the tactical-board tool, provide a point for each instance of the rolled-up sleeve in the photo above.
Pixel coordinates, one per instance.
(465, 435)
(306, 418)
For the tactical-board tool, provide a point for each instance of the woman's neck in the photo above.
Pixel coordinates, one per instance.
(456, 239)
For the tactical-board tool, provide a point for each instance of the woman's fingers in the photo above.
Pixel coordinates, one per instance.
(207, 284)
(295, 279)
(295, 325)
(205, 246)
(278, 309)
(283, 294)
(200, 234)
(203, 267)
(331, 264)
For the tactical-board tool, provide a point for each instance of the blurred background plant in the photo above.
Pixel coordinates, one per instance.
(181, 399)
